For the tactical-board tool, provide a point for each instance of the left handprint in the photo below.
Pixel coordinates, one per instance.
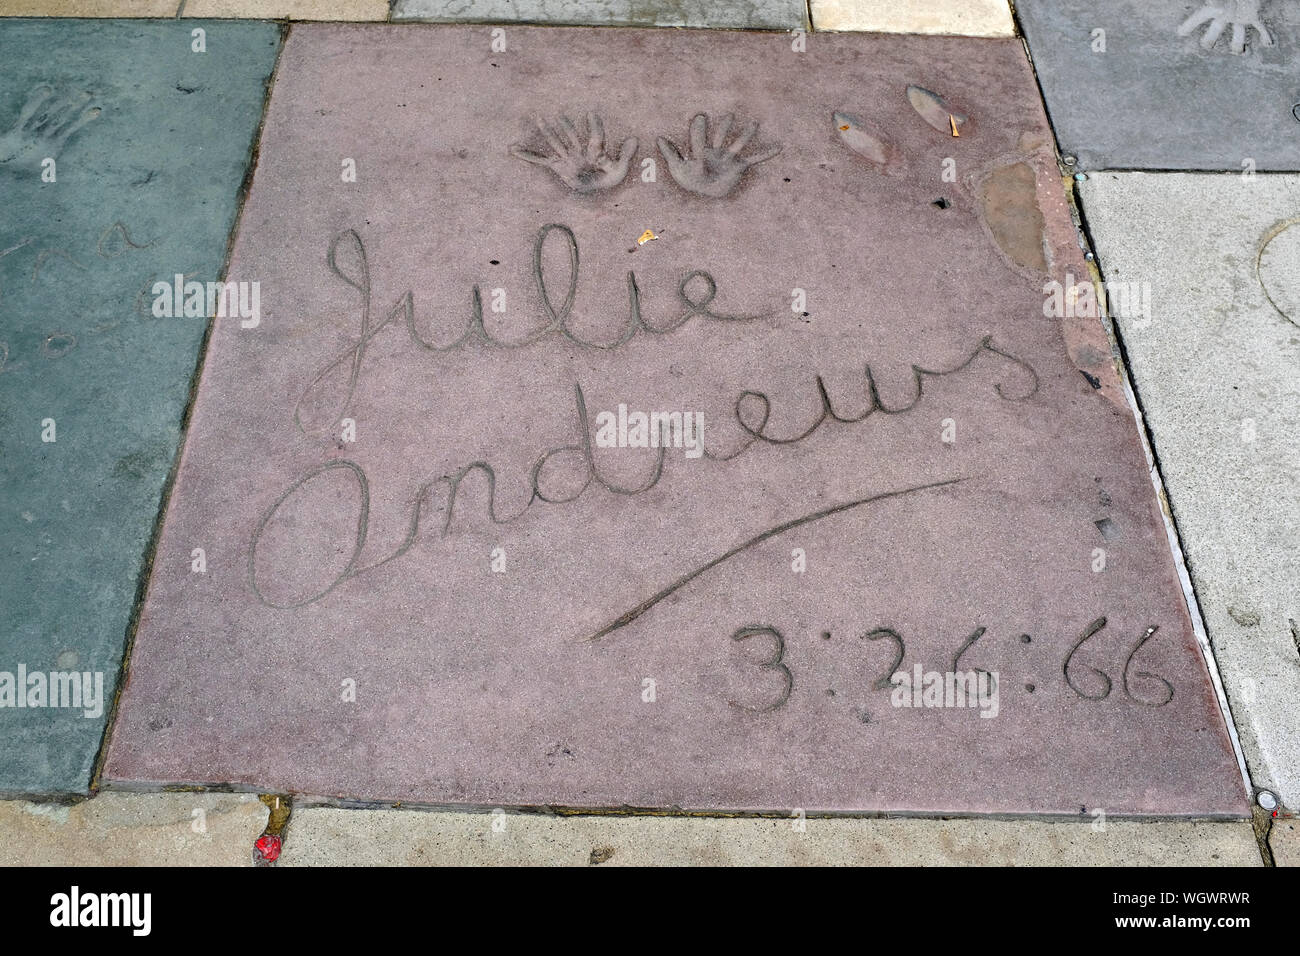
(583, 168)
(44, 125)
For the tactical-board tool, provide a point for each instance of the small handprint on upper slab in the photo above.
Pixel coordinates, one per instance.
(713, 170)
(583, 168)
(1240, 14)
(44, 125)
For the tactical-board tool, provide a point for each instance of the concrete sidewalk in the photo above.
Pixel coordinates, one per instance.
(194, 829)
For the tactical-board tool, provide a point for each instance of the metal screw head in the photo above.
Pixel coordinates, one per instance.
(1267, 800)
(1070, 160)
(1089, 256)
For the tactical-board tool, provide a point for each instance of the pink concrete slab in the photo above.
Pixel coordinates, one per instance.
(600, 626)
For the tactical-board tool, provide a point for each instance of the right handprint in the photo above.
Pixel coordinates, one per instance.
(713, 170)
(1241, 14)
(44, 124)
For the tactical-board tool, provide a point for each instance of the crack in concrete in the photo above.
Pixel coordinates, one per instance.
(1262, 823)
(270, 844)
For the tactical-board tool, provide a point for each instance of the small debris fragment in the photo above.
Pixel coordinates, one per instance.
(645, 237)
(600, 854)
(1243, 618)
(267, 848)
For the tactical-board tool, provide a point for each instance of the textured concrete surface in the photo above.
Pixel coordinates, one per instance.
(1157, 97)
(125, 829)
(149, 142)
(961, 17)
(325, 836)
(1216, 370)
(290, 9)
(88, 8)
(1284, 841)
(737, 14)
(350, 635)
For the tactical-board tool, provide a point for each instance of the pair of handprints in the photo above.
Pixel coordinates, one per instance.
(709, 166)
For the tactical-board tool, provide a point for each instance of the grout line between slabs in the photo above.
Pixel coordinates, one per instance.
(164, 501)
(1148, 447)
(1167, 513)
(302, 800)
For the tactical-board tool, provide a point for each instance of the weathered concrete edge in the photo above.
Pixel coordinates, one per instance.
(342, 802)
(1120, 355)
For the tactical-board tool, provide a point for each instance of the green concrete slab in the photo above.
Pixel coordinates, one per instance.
(149, 138)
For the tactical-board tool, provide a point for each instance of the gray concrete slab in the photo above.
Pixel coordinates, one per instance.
(614, 625)
(1284, 841)
(122, 150)
(734, 14)
(326, 836)
(133, 829)
(1217, 368)
(1160, 84)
